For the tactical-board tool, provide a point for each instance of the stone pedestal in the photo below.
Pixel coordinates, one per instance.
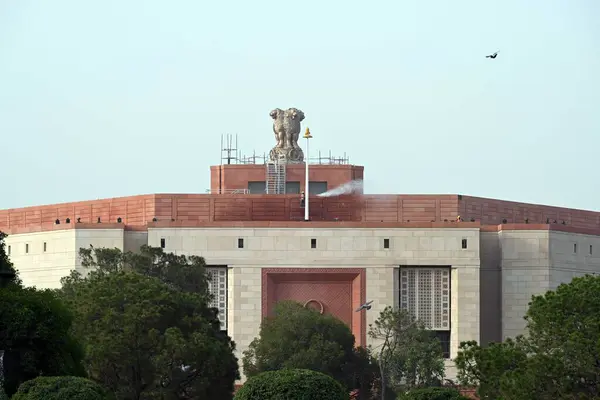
(286, 155)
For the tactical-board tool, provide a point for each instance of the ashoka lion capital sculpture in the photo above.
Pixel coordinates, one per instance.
(286, 126)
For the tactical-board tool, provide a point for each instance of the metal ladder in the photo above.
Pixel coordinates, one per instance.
(276, 176)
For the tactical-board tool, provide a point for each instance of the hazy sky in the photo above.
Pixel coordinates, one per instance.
(115, 98)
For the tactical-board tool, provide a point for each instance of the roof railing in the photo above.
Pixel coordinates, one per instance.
(228, 191)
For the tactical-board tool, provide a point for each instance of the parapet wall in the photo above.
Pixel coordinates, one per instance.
(137, 211)
(494, 212)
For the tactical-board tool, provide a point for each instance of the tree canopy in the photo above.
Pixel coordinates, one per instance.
(147, 327)
(61, 388)
(35, 336)
(296, 384)
(187, 274)
(298, 337)
(558, 359)
(6, 266)
(432, 393)
(409, 356)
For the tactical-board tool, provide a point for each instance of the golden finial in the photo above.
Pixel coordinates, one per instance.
(307, 134)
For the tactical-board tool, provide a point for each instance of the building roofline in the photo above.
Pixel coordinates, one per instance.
(305, 224)
(524, 204)
(540, 227)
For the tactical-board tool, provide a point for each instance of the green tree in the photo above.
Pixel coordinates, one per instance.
(148, 328)
(564, 326)
(433, 393)
(8, 274)
(292, 384)
(184, 273)
(560, 357)
(298, 337)
(410, 356)
(35, 336)
(484, 367)
(61, 388)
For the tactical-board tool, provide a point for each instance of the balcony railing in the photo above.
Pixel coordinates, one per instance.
(228, 191)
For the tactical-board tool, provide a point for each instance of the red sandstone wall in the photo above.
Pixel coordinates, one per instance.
(137, 211)
(492, 212)
(410, 208)
(197, 207)
(134, 210)
(236, 176)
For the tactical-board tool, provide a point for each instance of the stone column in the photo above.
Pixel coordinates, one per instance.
(382, 288)
(464, 303)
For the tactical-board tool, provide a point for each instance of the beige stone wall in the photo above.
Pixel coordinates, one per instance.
(525, 272)
(382, 289)
(40, 268)
(44, 269)
(268, 246)
(244, 305)
(339, 248)
(534, 262)
(133, 240)
(572, 255)
(465, 304)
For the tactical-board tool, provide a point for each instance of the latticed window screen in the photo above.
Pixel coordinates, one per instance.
(425, 293)
(218, 288)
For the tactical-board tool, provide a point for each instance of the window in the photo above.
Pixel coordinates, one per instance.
(9, 249)
(574, 247)
(464, 243)
(217, 286)
(425, 294)
(258, 187)
(45, 246)
(444, 338)
(26, 247)
(240, 243)
(163, 243)
(313, 243)
(386, 243)
(317, 187)
(292, 187)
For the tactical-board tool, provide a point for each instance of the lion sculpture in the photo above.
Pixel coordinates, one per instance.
(286, 126)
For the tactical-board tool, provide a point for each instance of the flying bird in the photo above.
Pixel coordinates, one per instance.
(366, 306)
(492, 56)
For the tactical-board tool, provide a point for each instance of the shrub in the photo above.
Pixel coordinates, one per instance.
(296, 337)
(291, 384)
(435, 393)
(60, 388)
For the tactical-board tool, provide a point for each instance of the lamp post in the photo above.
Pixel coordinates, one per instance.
(307, 136)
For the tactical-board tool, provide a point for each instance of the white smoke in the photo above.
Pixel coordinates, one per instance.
(346, 188)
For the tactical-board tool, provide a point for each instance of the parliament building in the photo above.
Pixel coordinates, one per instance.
(466, 266)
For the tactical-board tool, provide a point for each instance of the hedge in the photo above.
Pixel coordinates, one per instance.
(437, 393)
(291, 384)
(61, 388)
